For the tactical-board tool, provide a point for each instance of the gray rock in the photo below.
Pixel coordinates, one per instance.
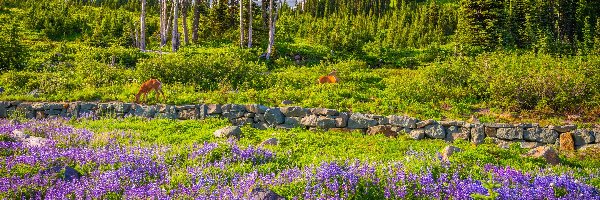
(259, 118)
(256, 108)
(325, 123)
(403, 121)
(249, 115)
(564, 128)
(226, 107)
(477, 134)
(229, 131)
(452, 123)
(544, 135)
(324, 111)
(294, 111)
(3, 112)
(417, 134)
(285, 126)
(341, 120)
(583, 137)
(287, 102)
(233, 114)
(241, 121)
(546, 153)
(201, 111)
(237, 108)
(509, 133)
(260, 126)
(88, 106)
(530, 145)
(213, 109)
(428, 122)
(435, 131)
(310, 121)
(119, 107)
(597, 135)
(499, 125)
(294, 121)
(456, 132)
(270, 141)
(448, 151)
(144, 111)
(274, 116)
(264, 194)
(360, 121)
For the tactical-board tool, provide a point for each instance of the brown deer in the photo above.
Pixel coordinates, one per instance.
(152, 84)
(330, 78)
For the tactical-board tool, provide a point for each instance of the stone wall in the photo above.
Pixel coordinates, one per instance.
(262, 117)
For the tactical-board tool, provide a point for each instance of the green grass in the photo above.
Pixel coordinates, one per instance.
(299, 147)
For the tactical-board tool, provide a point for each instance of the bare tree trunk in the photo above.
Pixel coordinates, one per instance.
(175, 33)
(143, 27)
(184, 12)
(163, 23)
(241, 23)
(196, 21)
(250, 24)
(271, 30)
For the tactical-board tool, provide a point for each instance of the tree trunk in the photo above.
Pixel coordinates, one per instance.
(163, 23)
(184, 9)
(143, 27)
(196, 21)
(263, 7)
(241, 23)
(250, 24)
(271, 30)
(175, 34)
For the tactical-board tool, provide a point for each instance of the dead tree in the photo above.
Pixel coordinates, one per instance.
(241, 23)
(143, 27)
(250, 24)
(175, 33)
(272, 21)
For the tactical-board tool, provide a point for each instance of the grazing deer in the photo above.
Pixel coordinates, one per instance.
(330, 78)
(152, 84)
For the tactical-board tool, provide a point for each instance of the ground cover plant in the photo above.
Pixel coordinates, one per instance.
(136, 158)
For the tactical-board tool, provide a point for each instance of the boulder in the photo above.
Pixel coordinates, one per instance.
(452, 123)
(456, 132)
(213, 109)
(422, 124)
(564, 128)
(543, 135)
(477, 134)
(256, 108)
(241, 121)
(229, 131)
(510, 133)
(324, 111)
(293, 121)
(360, 121)
(310, 121)
(287, 102)
(325, 123)
(597, 135)
(33, 141)
(566, 142)
(264, 194)
(270, 141)
(382, 129)
(448, 151)
(498, 125)
(19, 135)
(402, 121)
(260, 126)
(489, 131)
(3, 112)
(546, 153)
(341, 120)
(435, 131)
(294, 111)
(274, 116)
(583, 137)
(417, 134)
